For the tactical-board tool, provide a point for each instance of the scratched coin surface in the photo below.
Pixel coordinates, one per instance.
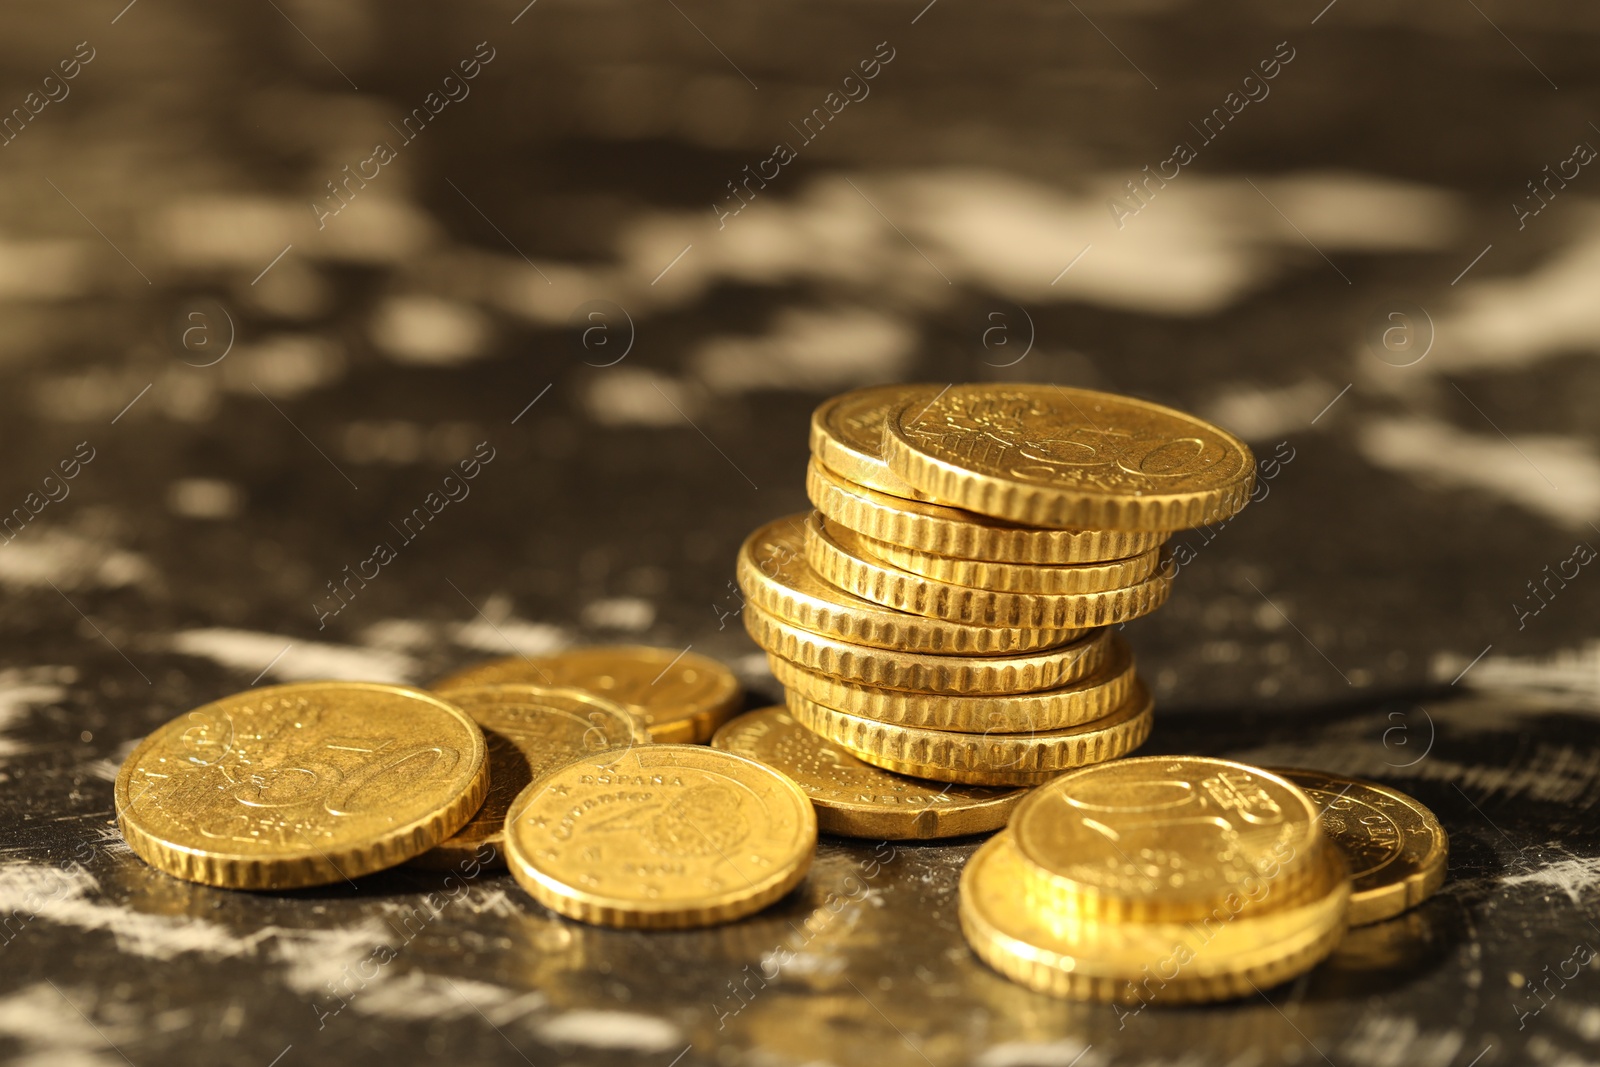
(661, 836)
(1167, 837)
(1396, 849)
(682, 695)
(530, 729)
(847, 434)
(856, 799)
(300, 785)
(1048, 455)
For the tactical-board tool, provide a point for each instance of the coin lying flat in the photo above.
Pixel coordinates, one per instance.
(1396, 849)
(661, 836)
(1230, 953)
(529, 729)
(774, 575)
(300, 785)
(1018, 577)
(840, 557)
(981, 759)
(1096, 694)
(847, 433)
(682, 696)
(1167, 838)
(1047, 455)
(946, 531)
(856, 799)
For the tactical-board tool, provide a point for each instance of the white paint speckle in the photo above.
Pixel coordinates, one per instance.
(430, 331)
(628, 613)
(204, 498)
(251, 651)
(612, 1029)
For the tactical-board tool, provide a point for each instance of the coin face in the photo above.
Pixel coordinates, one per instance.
(1396, 849)
(1166, 837)
(1052, 456)
(682, 695)
(530, 729)
(661, 836)
(856, 799)
(299, 785)
(847, 434)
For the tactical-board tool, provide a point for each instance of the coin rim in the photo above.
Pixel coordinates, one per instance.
(863, 468)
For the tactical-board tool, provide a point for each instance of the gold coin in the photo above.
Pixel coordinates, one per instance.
(856, 799)
(529, 729)
(1021, 673)
(299, 785)
(1396, 849)
(661, 836)
(847, 433)
(839, 557)
(682, 696)
(1093, 696)
(1016, 577)
(1229, 953)
(947, 531)
(981, 759)
(774, 575)
(1046, 455)
(1167, 838)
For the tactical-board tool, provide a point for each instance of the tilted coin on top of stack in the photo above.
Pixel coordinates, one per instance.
(944, 611)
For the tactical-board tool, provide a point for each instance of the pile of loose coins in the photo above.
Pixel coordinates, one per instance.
(941, 628)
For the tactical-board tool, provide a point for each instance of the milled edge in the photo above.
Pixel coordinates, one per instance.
(994, 576)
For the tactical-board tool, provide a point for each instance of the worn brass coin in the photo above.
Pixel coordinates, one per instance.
(856, 799)
(529, 729)
(946, 531)
(1017, 577)
(300, 785)
(981, 759)
(1395, 847)
(1167, 838)
(1047, 455)
(1093, 696)
(682, 696)
(1021, 673)
(661, 836)
(840, 557)
(1229, 953)
(847, 433)
(775, 577)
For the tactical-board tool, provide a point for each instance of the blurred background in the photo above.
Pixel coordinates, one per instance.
(271, 269)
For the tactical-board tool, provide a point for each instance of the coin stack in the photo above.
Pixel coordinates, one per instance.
(946, 611)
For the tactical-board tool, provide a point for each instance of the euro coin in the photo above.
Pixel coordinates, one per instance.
(1047, 455)
(1017, 577)
(681, 695)
(856, 799)
(529, 729)
(660, 836)
(774, 576)
(1395, 847)
(1230, 952)
(300, 785)
(981, 759)
(847, 433)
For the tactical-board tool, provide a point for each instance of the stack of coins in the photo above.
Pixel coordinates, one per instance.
(946, 611)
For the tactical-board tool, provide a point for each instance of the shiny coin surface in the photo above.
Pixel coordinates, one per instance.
(847, 433)
(300, 785)
(682, 695)
(981, 759)
(1021, 673)
(1229, 953)
(774, 576)
(661, 836)
(1395, 847)
(1093, 696)
(1047, 455)
(530, 729)
(840, 557)
(856, 799)
(937, 528)
(1167, 838)
(1017, 577)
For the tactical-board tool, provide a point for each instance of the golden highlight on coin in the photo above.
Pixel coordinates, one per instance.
(847, 434)
(661, 836)
(856, 799)
(301, 785)
(682, 696)
(529, 730)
